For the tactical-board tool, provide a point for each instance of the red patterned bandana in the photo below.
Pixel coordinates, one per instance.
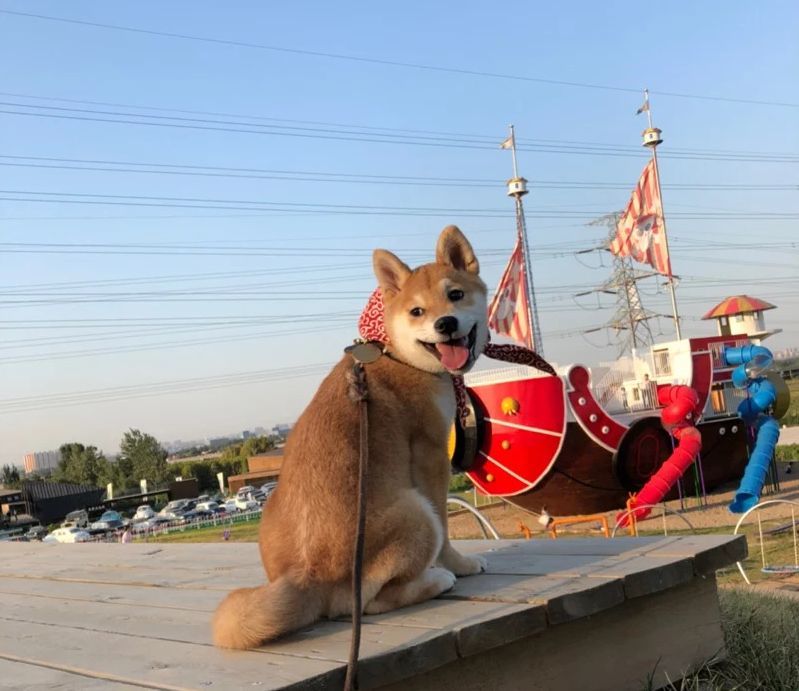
(372, 328)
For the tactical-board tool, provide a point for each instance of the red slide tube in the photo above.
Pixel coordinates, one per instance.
(677, 416)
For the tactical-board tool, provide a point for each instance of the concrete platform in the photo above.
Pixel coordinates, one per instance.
(549, 614)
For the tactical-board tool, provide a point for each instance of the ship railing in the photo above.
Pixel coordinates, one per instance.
(502, 374)
(619, 390)
(608, 389)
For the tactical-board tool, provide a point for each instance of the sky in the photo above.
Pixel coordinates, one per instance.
(187, 225)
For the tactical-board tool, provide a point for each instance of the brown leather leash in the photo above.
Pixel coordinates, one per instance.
(358, 392)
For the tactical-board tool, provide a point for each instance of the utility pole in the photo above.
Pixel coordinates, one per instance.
(630, 321)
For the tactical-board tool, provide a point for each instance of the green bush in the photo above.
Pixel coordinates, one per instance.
(789, 452)
(459, 483)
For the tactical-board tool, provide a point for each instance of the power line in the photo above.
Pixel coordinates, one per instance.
(170, 345)
(588, 149)
(489, 139)
(33, 403)
(180, 169)
(346, 209)
(390, 63)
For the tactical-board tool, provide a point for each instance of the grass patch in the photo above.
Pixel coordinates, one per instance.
(243, 531)
(762, 646)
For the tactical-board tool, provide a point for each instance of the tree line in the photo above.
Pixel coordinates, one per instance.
(141, 457)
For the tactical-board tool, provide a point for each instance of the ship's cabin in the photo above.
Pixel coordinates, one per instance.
(627, 388)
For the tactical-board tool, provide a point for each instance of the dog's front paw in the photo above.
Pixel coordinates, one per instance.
(462, 565)
(477, 564)
(442, 579)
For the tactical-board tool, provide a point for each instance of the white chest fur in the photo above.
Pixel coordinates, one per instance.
(445, 401)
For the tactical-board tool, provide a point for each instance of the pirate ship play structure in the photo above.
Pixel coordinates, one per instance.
(694, 410)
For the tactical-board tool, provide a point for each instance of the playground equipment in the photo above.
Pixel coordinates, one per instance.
(632, 523)
(485, 525)
(752, 363)
(680, 412)
(765, 567)
(564, 521)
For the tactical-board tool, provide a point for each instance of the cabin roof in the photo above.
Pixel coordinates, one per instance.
(738, 304)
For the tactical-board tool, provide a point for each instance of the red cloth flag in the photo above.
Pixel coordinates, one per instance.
(640, 233)
(508, 311)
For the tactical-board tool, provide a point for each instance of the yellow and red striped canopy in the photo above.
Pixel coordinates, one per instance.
(738, 304)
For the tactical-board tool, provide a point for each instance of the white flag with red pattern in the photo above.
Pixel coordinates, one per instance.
(508, 311)
(640, 233)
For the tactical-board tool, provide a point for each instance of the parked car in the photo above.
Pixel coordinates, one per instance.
(67, 535)
(110, 520)
(210, 506)
(177, 507)
(229, 506)
(76, 519)
(36, 533)
(196, 515)
(143, 512)
(246, 504)
(150, 524)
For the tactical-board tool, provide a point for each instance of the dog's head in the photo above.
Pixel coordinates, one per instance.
(436, 315)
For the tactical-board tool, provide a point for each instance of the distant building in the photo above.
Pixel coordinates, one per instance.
(246, 434)
(42, 462)
(282, 429)
(263, 467)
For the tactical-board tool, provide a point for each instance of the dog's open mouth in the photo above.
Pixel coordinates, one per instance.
(455, 353)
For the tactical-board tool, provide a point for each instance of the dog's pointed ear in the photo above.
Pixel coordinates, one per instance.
(390, 270)
(453, 249)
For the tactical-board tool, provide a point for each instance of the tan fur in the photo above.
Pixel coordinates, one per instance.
(307, 528)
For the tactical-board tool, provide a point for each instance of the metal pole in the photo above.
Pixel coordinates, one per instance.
(535, 341)
(668, 252)
(532, 309)
(654, 146)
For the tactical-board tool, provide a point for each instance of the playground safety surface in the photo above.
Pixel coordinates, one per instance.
(585, 613)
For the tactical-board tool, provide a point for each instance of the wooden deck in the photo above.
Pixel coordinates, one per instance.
(549, 614)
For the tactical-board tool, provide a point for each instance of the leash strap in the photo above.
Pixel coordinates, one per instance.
(358, 393)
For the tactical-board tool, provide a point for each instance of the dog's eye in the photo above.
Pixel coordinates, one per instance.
(417, 312)
(455, 294)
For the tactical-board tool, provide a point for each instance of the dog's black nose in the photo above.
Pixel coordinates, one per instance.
(446, 325)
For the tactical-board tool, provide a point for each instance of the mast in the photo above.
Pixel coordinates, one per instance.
(517, 188)
(652, 139)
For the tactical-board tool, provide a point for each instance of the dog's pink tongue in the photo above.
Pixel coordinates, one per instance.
(453, 355)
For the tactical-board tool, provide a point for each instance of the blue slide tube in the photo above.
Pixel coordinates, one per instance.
(742, 355)
(748, 494)
(762, 394)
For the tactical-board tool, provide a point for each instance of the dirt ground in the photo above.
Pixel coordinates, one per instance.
(508, 520)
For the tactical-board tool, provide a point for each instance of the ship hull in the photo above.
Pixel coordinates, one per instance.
(587, 478)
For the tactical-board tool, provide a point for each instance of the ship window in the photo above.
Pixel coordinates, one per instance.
(662, 363)
(723, 321)
(739, 317)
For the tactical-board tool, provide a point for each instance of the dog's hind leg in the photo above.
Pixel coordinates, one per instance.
(399, 573)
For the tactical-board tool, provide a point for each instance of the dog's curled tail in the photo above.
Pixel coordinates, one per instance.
(248, 617)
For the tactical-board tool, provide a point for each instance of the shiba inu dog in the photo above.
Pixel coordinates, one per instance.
(435, 319)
